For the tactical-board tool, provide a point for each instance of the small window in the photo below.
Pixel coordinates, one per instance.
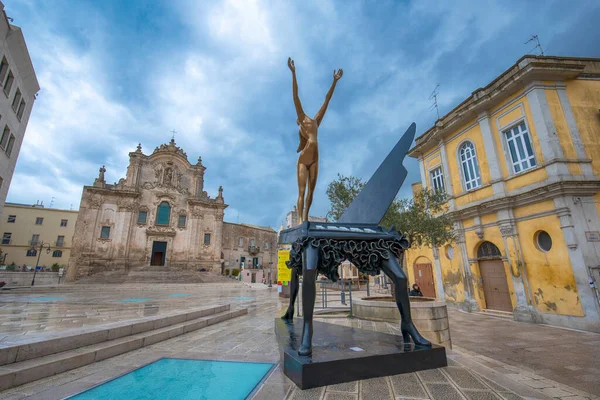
(21, 109)
(163, 214)
(543, 241)
(10, 145)
(35, 240)
(12, 219)
(242, 261)
(470, 166)
(105, 232)
(437, 179)
(31, 253)
(39, 221)
(240, 242)
(181, 221)
(519, 147)
(5, 137)
(3, 69)
(207, 238)
(142, 217)
(16, 100)
(60, 241)
(252, 242)
(266, 245)
(57, 253)
(64, 222)
(6, 238)
(9, 82)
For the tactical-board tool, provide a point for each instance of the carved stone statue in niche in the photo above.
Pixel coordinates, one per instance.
(168, 181)
(158, 170)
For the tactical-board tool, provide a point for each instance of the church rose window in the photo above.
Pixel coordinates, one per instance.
(163, 215)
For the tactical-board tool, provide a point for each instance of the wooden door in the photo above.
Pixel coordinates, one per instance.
(424, 278)
(495, 285)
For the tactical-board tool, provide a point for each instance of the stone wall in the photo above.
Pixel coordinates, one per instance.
(13, 279)
(430, 317)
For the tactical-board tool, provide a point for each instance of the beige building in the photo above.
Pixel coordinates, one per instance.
(159, 217)
(19, 87)
(250, 249)
(27, 227)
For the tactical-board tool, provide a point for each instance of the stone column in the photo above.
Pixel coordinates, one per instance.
(470, 303)
(491, 153)
(546, 131)
(586, 168)
(422, 171)
(439, 282)
(447, 177)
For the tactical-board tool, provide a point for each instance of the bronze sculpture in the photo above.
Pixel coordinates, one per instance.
(307, 168)
(320, 247)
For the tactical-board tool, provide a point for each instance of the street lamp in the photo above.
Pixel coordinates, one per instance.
(48, 250)
(271, 265)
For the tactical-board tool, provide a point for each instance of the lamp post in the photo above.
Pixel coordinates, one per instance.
(271, 265)
(48, 250)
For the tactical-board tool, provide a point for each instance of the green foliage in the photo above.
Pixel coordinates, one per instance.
(55, 267)
(235, 272)
(340, 193)
(11, 267)
(424, 218)
(226, 271)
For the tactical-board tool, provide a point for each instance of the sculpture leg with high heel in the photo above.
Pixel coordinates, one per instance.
(394, 271)
(289, 314)
(310, 261)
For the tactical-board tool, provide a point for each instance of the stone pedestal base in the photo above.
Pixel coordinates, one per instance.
(343, 354)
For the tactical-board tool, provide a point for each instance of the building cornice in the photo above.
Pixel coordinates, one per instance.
(546, 192)
(528, 69)
(113, 192)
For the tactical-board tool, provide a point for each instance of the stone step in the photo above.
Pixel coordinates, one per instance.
(25, 350)
(19, 373)
(497, 313)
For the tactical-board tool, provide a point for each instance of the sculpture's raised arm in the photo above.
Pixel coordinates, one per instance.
(336, 77)
(297, 103)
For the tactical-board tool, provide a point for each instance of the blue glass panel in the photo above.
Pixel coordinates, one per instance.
(163, 215)
(183, 380)
(142, 215)
(527, 144)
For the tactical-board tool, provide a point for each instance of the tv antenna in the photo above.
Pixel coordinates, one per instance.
(534, 38)
(434, 96)
(52, 202)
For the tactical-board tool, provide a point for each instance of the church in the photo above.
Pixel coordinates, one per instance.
(160, 217)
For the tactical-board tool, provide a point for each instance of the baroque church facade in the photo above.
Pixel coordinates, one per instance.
(159, 216)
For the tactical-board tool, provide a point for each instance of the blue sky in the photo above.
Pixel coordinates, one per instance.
(115, 73)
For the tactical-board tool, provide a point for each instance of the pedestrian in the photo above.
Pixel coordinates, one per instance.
(416, 291)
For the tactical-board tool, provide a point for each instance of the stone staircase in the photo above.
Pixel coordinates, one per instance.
(155, 275)
(497, 314)
(27, 362)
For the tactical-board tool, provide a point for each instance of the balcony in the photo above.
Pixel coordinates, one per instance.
(60, 243)
(34, 243)
(253, 249)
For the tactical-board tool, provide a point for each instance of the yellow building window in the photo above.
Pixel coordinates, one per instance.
(520, 149)
(470, 166)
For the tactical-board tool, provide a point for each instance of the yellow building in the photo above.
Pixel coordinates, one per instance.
(25, 228)
(520, 161)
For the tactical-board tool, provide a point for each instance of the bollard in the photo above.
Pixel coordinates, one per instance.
(350, 292)
(343, 295)
(368, 292)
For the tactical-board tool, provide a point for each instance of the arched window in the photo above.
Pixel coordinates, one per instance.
(163, 214)
(57, 253)
(488, 250)
(470, 167)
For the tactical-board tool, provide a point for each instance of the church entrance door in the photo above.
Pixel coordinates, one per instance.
(159, 253)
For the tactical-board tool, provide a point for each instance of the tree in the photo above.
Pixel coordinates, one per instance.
(424, 218)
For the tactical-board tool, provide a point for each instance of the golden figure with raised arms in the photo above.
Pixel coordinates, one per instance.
(308, 161)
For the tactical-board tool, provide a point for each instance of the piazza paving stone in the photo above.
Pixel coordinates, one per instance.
(251, 338)
(443, 391)
(408, 385)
